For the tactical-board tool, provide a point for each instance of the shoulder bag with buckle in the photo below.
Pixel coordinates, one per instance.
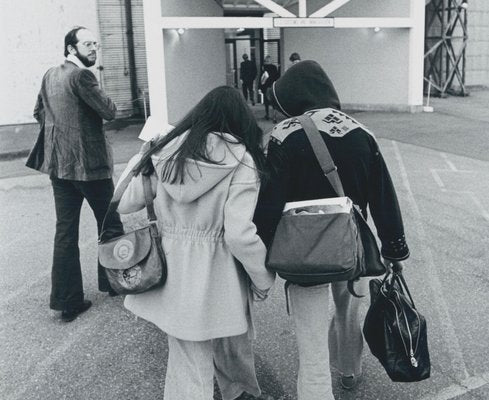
(134, 262)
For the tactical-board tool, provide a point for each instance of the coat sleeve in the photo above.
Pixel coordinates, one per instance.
(87, 88)
(240, 231)
(385, 210)
(273, 193)
(133, 198)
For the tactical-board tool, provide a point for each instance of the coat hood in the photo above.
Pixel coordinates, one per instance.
(201, 176)
(304, 86)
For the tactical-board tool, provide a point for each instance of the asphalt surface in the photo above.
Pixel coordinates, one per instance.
(439, 164)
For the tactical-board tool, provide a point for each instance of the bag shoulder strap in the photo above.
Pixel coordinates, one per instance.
(117, 196)
(322, 153)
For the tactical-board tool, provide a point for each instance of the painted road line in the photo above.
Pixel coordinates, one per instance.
(437, 178)
(45, 366)
(466, 386)
(469, 193)
(446, 325)
(477, 202)
(23, 289)
(448, 162)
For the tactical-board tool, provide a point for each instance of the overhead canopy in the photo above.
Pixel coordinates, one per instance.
(299, 17)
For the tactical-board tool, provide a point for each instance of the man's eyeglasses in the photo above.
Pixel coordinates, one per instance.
(88, 45)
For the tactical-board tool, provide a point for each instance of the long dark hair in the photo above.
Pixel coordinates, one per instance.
(222, 110)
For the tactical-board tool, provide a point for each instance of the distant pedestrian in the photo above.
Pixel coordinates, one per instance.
(294, 58)
(72, 149)
(296, 175)
(206, 182)
(269, 75)
(247, 74)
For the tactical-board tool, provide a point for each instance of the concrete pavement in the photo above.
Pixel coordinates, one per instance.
(439, 164)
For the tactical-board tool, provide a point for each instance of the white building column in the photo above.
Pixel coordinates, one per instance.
(155, 55)
(416, 54)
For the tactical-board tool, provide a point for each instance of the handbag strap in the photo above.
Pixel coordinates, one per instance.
(116, 198)
(322, 153)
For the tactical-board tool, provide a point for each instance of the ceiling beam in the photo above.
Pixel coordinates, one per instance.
(329, 8)
(267, 22)
(387, 22)
(276, 8)
(215, 22)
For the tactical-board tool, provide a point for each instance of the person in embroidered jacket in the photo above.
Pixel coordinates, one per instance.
(206, 184)
(296, 175)
(72, 149)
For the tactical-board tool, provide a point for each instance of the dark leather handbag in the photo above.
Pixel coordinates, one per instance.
(395, 331)
(134, 262)
(314, 247)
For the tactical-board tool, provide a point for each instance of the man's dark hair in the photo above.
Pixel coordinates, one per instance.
(294, 57)
(71, 38)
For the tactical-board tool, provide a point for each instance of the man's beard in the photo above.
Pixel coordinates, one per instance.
(85, 60)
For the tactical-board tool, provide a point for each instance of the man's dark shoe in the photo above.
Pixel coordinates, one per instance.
(112, 293)
(70, 314)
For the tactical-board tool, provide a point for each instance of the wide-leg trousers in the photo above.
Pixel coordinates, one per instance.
(322, 344)
(192, 366)
(66, 275)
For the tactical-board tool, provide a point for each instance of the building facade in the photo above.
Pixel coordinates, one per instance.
(372, 67)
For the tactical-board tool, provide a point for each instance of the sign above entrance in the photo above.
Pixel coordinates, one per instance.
(303, 22)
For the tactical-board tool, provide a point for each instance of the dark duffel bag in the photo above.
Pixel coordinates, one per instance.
(395, 331)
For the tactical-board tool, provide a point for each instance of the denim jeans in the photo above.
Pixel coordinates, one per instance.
(192, 366)
(66, 276)
(340, 345)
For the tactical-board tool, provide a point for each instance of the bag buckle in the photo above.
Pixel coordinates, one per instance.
(331, 170)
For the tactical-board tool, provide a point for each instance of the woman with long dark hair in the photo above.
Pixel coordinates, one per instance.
(206, 180)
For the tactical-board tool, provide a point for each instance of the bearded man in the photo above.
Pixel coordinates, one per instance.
(73, 150)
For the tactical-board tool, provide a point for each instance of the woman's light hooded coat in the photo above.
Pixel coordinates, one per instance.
(210, 243)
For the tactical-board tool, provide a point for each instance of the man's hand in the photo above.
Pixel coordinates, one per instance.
(396, 266)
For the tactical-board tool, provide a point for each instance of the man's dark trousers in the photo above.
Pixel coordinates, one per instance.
(67, 285)
(247, 87)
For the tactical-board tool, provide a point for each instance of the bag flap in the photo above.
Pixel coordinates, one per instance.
(303, 241)
(125, 251)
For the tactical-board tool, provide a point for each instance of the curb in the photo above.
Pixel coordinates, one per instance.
(13, 155)
(113, 126)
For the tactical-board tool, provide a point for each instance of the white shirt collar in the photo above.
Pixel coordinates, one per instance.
(75, 60)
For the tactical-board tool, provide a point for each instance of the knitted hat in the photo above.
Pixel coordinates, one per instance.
(304, 86)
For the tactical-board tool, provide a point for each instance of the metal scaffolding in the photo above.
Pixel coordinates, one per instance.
(445, 42)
